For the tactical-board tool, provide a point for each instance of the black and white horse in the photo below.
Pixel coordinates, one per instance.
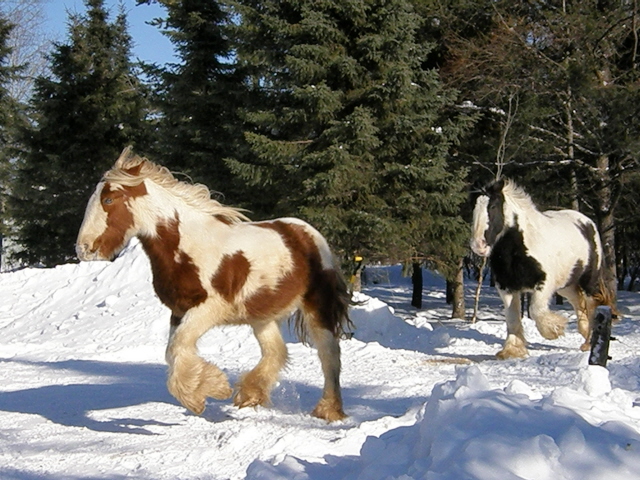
(541, 253)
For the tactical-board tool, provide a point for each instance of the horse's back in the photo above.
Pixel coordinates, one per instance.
(575, 226)
(296, 234)
(570, 247)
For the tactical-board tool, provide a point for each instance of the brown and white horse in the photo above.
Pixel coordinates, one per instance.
(211, 266)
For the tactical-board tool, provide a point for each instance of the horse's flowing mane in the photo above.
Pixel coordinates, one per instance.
(131, 170)
(516, 195)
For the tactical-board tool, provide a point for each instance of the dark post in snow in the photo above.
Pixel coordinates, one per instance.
(600, 337)
(416, 280)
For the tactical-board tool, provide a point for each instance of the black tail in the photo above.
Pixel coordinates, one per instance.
(328, 300)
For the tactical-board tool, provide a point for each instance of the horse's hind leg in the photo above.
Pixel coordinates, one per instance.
(191, 378)
(329, 407)
(515, 346)
(255, 386)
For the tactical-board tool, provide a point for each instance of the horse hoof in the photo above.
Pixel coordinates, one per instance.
(507, 353)
(219, 392)
(552, 328)
(195, 406)
(551, 334)
(585, 347)
(330, 411)
(243, 399)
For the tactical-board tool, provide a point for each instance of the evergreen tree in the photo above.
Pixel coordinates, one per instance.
(83, 116)
(348, 130)
(11, 117)
(198, 97)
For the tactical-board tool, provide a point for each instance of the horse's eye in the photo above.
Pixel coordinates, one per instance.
(108, 201)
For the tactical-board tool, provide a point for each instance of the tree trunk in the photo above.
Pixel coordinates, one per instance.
(633, 276)
(416, 280)
(476, 298)
(457, 293)
(575, 204)
(606, 225)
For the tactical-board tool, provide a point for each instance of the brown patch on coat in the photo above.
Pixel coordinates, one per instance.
(119, 218)
(267, 301)
(323, 291)
(175, 276)
(231, 275)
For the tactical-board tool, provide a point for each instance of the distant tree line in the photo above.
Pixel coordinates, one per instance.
(371, 119)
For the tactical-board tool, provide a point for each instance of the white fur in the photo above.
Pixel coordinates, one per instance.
(93, 224)
(480, 224)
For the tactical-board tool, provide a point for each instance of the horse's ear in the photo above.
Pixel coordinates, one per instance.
(126, 155)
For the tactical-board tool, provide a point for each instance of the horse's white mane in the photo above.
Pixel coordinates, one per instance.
(131, 170)
(516, 195)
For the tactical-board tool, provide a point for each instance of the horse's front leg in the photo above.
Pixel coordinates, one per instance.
(550, 324)
(192, 379)
(254, 387)
(515, 346)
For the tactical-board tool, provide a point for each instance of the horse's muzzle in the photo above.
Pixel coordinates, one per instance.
(480, 247)
(85, 254)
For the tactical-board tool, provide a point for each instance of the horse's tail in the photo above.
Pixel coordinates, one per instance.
(599, 294)
(339, 311)
(604, 296)
(328, 301)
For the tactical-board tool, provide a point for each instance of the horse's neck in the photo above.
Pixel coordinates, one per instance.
(166, 210)
(531, 222)
(528, 216)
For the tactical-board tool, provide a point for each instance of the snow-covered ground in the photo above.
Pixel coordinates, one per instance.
(83, 396)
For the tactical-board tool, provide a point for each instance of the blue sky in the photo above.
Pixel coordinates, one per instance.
(148, 43)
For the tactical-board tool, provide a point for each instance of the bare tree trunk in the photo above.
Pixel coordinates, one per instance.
(457, 290)
(633, 276)
(606, 225)
(571, 151)
(476, 299)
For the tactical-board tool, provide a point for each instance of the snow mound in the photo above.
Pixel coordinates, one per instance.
(468, 430)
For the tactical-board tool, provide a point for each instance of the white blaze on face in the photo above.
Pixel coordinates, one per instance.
(480, 225)
(94, 223)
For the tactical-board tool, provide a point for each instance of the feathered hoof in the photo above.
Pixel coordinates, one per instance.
(585, 347)
(194, 403)
(329, 410)
(506, 354)
(250, 397)
(514, 347)
(552, 328)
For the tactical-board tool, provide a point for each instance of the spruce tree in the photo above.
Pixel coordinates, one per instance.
(198, 97)
(12, 115)
(83, 115)
(349, 130)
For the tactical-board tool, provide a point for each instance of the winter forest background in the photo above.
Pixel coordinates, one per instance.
(371, 119)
